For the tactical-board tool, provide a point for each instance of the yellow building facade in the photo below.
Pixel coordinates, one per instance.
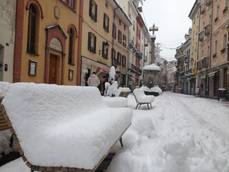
(47, 41)
(98, 43)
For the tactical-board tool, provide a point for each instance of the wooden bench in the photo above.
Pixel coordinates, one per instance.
(63, 128)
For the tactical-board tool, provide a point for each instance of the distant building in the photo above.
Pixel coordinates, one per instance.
(7, 39)
(171, 74)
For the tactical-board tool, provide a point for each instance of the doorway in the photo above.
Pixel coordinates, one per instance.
(54, 66)
(1, 62)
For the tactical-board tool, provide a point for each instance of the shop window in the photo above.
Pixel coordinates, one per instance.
(91, 42)
(33, 24)
(93, 10)
(106, 21)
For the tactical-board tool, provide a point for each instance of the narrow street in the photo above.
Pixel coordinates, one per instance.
(182, 133)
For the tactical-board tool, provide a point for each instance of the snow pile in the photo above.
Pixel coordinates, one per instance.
(4, 86)
(64, 125)
(112, 90)
(156, 89)
(112, 74)
(152, 67)
(186, 135)
(15, 166)
(115, 101)
(141, 97)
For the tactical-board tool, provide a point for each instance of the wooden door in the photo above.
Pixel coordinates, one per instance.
(53, 69)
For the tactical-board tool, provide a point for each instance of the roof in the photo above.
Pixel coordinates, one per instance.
(194, 9)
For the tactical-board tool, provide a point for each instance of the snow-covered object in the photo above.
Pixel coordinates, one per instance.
(64, 126)
(107, 85)
(152, 67)
(4, 86)
(113, 89)
(115, 101)
(141, 97)
(17, 165)
(124, 89)
(156, 89)
(112, 73)
(181, 134)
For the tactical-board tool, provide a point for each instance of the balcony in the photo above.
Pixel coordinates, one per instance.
(201, 36)
(139, 54)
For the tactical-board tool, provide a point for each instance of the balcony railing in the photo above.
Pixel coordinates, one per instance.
(135, 68)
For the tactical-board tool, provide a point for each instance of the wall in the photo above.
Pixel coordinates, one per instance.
(7, 31)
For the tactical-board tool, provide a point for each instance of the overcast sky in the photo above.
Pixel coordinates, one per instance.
(171, 16)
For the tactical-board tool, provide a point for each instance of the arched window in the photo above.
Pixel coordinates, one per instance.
(33, 29)
(71, 46)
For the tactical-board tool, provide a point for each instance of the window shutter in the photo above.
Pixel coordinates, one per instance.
(89, 41)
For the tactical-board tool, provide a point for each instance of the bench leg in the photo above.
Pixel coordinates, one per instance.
(148, 106)
(121, 143)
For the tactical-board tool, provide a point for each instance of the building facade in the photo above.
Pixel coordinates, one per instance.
(47, 46)
(209, 47)
(7, 39)
(105, 31)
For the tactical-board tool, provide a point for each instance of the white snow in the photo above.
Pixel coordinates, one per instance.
(15, 166)
(181, 134)
(141, 97)
(4, 86)
(152, 67)
(116, 101)
(156, 89)
(112, 73)
(64, 125)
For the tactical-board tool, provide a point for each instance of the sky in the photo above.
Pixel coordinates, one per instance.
(171, 16)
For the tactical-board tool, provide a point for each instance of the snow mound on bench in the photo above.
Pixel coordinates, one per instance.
(65, 126)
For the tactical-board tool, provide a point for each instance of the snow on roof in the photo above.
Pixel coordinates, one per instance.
(64, 126)
(152, 67)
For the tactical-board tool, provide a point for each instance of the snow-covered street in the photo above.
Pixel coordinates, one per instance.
(181, 134)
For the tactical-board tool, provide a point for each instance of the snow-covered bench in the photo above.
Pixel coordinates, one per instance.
(65, 128)
(142, 99)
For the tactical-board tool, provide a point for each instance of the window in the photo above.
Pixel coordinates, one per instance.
(120, 37)
(70, 3)
(113, 56)
(124, 61)
(105, 50)
(71, 46)
(91, 42)
(124, 40)
(106, 22)
(93, 10)
(119, 57)
(33, 23)
(114, 31)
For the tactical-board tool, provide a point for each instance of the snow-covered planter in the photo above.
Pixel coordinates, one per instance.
(64, 126)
